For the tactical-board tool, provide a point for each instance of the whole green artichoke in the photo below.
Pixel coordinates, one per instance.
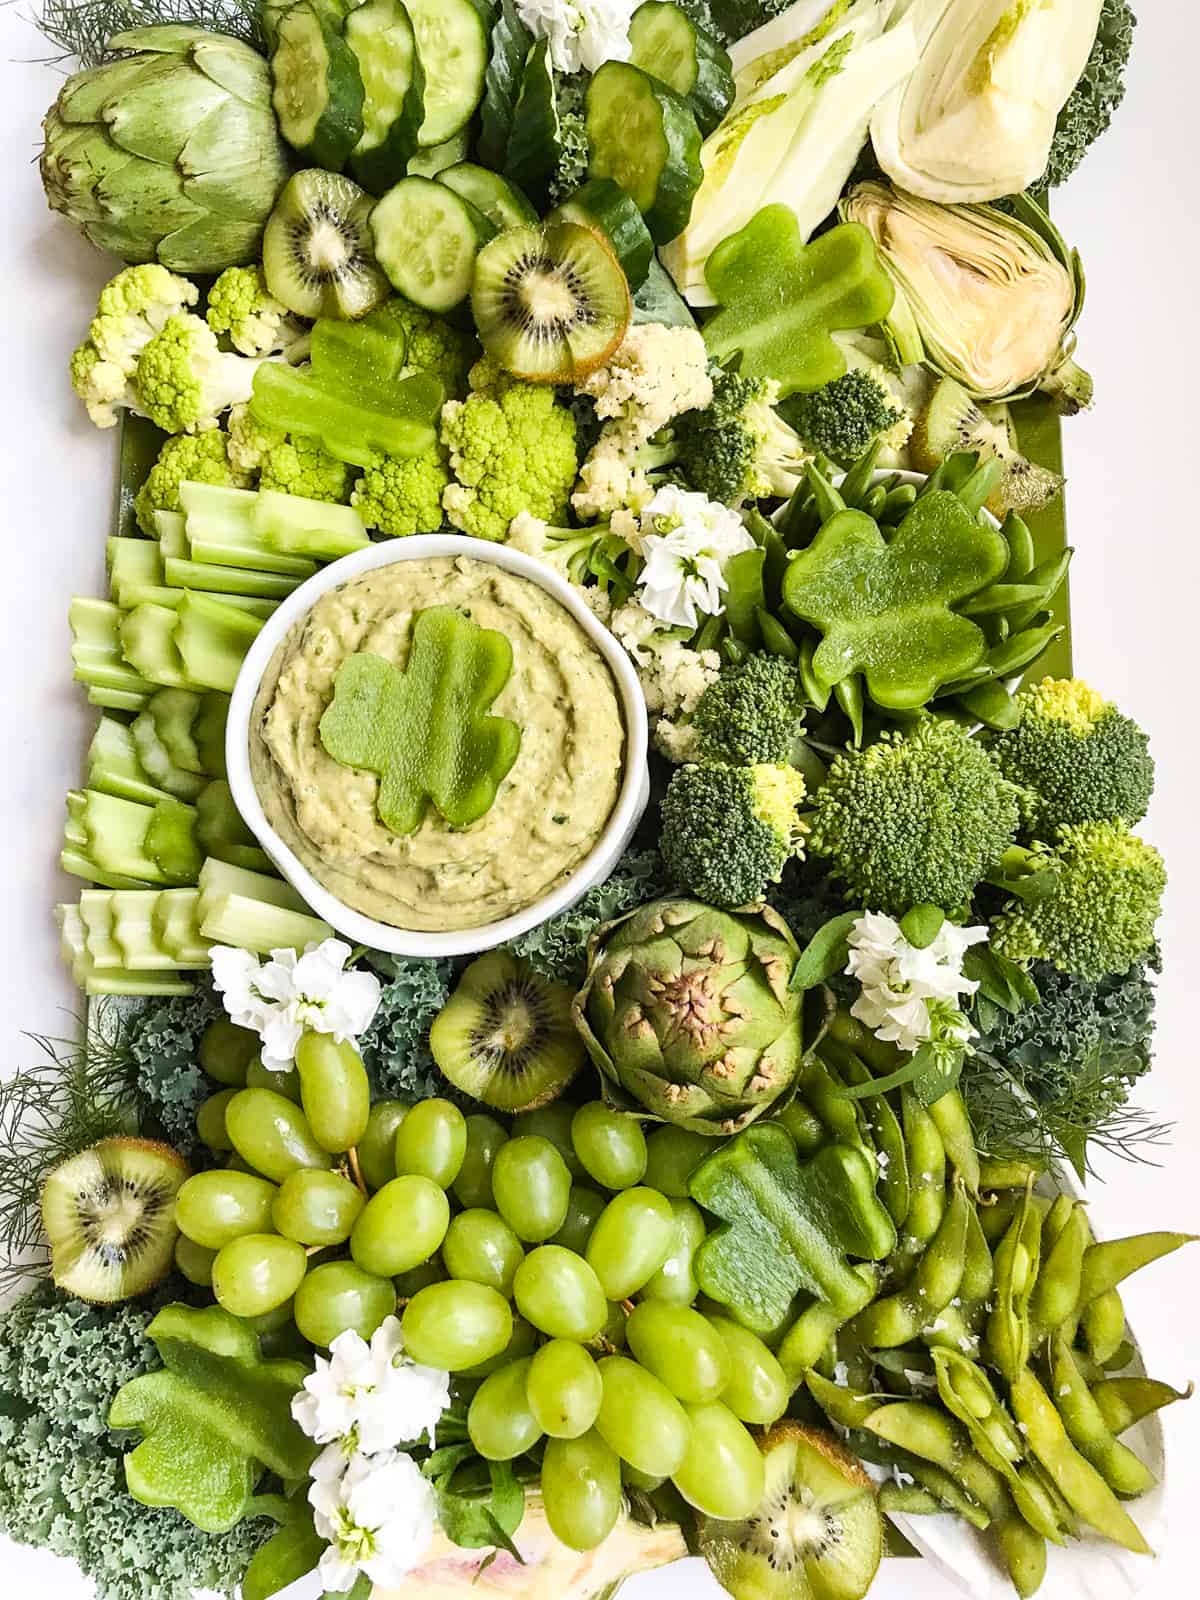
(687, 1013)
(170, 153)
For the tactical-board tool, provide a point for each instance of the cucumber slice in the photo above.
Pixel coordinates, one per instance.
(318, 96)
(429, 163)
(380, 33)
(511, 44)
(501, 202)
(666, 43)
(603, 204)
(452, 43)
(426, 240)
(532, 153)
(644, 136)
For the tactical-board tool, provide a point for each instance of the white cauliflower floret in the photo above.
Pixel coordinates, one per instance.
(613, 478)
(673, 675)
(655, 374)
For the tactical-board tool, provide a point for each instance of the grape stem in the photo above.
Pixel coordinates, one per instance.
(356, 1170)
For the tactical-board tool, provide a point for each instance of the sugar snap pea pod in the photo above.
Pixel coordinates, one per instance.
(899, 501)
(983, 478)
(1087, 1430)
(777, 641)
(710, 634)
(806, 1128)
(1102, 1321)
(1078, 1481)
(856, 485)
(908, 1500)
(991, 704)
(815, 692)
(809, 1336)
(1056, 1293)
(1110, 1263)
(1124, 1401)
(899, 1318)
(949, 1112)
(1001, 599)
(925, 1431)
(884, 1125)
(827, 502)
(848, 692)
(1023, 1552)
(1021, 552)
(1016, 1261)
(926, 1171)
(840, 1405)
(1021, 649)
(819, 1088)
(996, 1173)
(1048, 576)
(874, 500)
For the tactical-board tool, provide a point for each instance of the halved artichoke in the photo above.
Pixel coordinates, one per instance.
(983, 296)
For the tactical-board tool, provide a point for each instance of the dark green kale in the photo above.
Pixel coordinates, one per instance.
(1095, 98)
(572, 143)
(558, 948)
(163, 1041)
(395, 1047)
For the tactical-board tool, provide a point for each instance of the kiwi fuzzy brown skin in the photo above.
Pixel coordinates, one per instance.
(132, 1250)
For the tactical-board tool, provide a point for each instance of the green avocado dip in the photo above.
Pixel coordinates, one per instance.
(549, 811)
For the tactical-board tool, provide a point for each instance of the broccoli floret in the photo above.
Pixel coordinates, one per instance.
(184, 380)
(1094, 100)
(434, 345)
(918, 818)
(512, 449)
(1093, 909)
(294, 462)
(1076, 756)
(241, 305)
(845, 417)
(727, 832)
(187, 458)
(739, 448)
(753, 713)
(569, 551)
(403, 495)
(571, 144)
(132, 308)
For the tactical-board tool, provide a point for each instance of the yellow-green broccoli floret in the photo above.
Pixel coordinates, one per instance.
(753, 713)
(512, 449)
(241, 305)
(1092, 907)
(192, 458)
(250, 439)
(1076, 756)
(434, 345)
(728, 832)
(294, 462)
(132, 308)
(403, 495)
(184, 381)
(916, 819)
(845, 417)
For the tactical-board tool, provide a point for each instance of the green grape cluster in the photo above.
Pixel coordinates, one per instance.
(547, 1265)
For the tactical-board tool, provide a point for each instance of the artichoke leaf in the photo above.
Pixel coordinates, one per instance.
(192, 248)
(247, 77)
(162, 38)
(85, 96)
(157, 120)
(229, 161)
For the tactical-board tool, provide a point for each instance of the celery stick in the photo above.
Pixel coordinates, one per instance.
(254, 925)
(95, 910)
(298, 526)
(222, 833)
(76, 858)
(171, 841)
(96, 648)
(173, 713)
(117, 699)
(209, 733)
(72, 941)
(214, 546)
(228, 580)
(133, 933)
(213, 640)
(132, 562)
(171, 527)
(156, 760)
(220, 878)
(272, 529)
(116, 836)
(147, 594)
(149, 644)
(175, 921)
(113, 765)
(119, 981)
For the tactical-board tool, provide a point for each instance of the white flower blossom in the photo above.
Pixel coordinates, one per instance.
(378, 1517)
(582, 34)
(686, 541)
(369, 1398)
(281, 998)
(909, 995)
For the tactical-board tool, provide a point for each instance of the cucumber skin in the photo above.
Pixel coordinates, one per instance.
(669, 212)
(603, 204)
(384, 164)
(501, 202)
(532, 153)
(710, 93)
(439, 304)
(339, 127)
(510, 46)
(418, 8)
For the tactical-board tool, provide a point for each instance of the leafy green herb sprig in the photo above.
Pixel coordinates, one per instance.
(80, 29)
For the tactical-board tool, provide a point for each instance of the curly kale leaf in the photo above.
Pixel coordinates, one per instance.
(558, 948)
(164, 1042)
(395, 1047)
(1095, 98)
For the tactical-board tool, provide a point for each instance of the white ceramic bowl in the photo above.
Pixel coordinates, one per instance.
(359, 929)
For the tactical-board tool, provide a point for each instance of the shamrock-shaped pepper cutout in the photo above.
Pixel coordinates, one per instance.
(788, 1225)
(781, 299)
(884, 607)
(425, 730)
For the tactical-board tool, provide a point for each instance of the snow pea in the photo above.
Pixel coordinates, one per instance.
(991, 704)
(1124, 1401)
(1087, 1430)
(1047, 578)
(935, 1281)
(1017, 1257)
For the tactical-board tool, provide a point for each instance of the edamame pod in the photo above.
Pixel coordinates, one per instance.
(931, 1434)
(1124, 1401)
(927, 1172)
(936, 1280)
(808, 1337)
(1024, 1554)
(1108, 1264)
(1087, 1430)
(1017, 1259)
(1056, 1292)
(949, 1113)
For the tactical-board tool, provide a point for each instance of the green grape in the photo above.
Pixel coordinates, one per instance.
(456, 1325)
(581, 1490)
(334, 1091)
(675, 1280)
(284, 1083)
(633, 1237)
(500, 1422)
(210, 1121)
(473, 1186)
(226, 1051)
(564, 1389)
(377, 1147)
(672, 1155)
(583, 1209)
(417, 1278)
(268, 1322)
(551, 1122)
(431, 1142)
(194, 1261)
(640, 1418)
(257, 1272)
(640, 1480)
(758, 1390)
(722, 1471)
(612, 1334)
(214, 1207)
(523, 1343)
(611, 1147)
(560, 1294)
(532, 1187)
(482, 1248)
(400, 1226)
(338, 1295)
(678, 1346)
(316, 1208)
(272, 1135)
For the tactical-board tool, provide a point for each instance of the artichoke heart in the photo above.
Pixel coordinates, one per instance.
(983, 296)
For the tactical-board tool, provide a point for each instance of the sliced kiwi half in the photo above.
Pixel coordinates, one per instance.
(505, 1036)
(109, 1214)
(551, 304)
(818, 1533)
(953, 420)
(317, 253)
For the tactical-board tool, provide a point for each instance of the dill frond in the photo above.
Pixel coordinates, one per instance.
(80, 30)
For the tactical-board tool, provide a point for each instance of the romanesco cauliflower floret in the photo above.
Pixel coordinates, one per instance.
(300, 465)
(132, 308)
(184, 381)
(249, 439)
(403, 495)
(193, 458)
(241, 305)
(434, 345)
(655, 374)
(728, 832)
(512, 449)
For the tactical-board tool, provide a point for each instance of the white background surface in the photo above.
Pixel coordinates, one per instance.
(1134, 511)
